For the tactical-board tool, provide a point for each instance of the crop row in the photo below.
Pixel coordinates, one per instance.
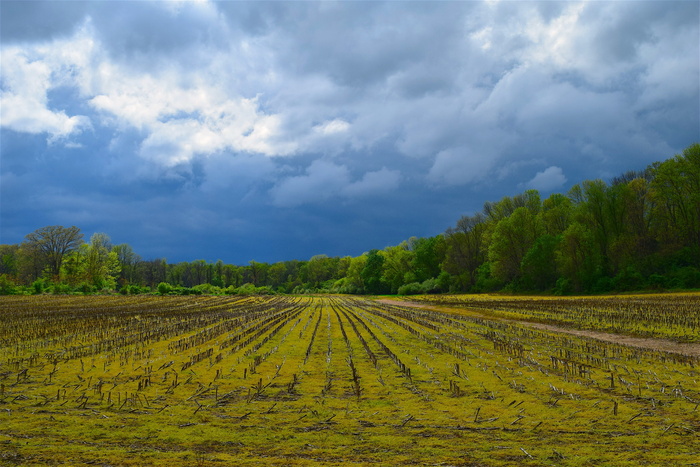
(280, 374)
(675, 316)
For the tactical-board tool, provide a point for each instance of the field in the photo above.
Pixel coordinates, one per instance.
(671, 316)
(228, 380)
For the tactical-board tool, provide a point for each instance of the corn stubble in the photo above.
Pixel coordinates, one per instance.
(219, 380)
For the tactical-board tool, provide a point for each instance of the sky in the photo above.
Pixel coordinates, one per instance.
(273, 131)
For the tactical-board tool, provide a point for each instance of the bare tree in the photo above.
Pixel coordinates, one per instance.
(54, 242)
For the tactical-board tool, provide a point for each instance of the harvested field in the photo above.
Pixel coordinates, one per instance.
(218, 380)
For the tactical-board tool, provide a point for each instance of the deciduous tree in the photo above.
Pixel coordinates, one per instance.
(511, 239)
(372, 273)
(54, 242)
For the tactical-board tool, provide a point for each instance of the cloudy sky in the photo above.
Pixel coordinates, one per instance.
(272, 131)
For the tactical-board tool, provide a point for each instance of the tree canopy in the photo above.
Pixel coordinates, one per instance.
(640, 230)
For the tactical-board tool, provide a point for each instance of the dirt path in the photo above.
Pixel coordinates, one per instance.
(663, 345)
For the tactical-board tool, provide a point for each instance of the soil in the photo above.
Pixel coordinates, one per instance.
(662, 345)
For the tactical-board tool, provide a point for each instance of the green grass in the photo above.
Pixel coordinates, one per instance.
(518, 396)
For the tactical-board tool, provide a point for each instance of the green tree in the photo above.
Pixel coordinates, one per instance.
(9, 259)
(496, 211)
(73, 270)
(603, 210)
(465, 249)
(7, 286)
(128, 260)
(578, 258)
(633, 245)
(152, 272)
(199, 273)
(675, 191)
(539, 269)
(102, 264)
(255, 273)
(217, 278)
(428, 256)
(319, 269)
(397, 269)
(277, 274)
(53, 243)
(95, 264)
(372, 273)
(556, 214)
(511, 239)
(355, 283)
(31, 262)
(232, 275)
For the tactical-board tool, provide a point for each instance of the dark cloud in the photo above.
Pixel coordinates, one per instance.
(357, 44)
(150, 35)
(280, 130)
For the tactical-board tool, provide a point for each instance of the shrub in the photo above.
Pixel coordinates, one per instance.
(208, 289)
(628, 279)
(61, 288)
(685, 278)
(134, 289)
(414, 288)
(656, 281)
(605, 284)
(85, 288)
(246, 289)
(430, 286)
(563, 287)
(444, 281)
(344, 286)
(250, 289)
(485, 282)
(38, 286)
(164, 288)
(7, 287)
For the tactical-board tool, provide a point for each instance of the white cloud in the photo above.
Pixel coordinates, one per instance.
(27, 76)
(554, 41)
(183, 113)
(548, 180)
(184, 121)
(334, 126)
(483, 37)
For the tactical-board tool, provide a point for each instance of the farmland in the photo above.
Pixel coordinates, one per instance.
(672, 316)
(285, 380)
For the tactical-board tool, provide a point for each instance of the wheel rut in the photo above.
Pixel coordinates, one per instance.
(659, 344)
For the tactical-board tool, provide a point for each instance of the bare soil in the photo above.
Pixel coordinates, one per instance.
(662, 345)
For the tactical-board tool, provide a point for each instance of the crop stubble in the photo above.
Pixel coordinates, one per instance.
(335, 380)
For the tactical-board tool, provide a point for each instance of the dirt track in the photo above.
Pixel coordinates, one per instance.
(663, 345)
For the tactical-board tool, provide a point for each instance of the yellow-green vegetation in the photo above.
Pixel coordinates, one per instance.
(672, 316)
(214, 380)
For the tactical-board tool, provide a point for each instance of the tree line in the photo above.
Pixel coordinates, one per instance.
(640, 230)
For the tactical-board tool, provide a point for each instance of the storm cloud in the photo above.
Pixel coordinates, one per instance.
(280, 130)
